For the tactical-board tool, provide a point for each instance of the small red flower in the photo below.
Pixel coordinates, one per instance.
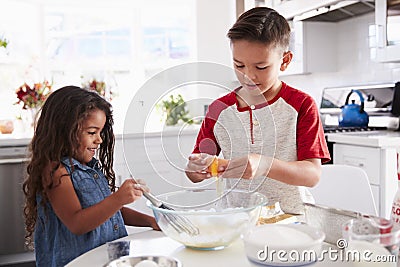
(100, 87)
(32, 97)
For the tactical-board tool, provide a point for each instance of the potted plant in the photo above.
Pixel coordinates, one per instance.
(3, 46)
(174, 110)
(3, 42)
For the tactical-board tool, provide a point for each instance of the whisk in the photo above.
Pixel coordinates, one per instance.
(179, 223)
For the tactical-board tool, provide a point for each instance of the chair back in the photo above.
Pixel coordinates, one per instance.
(345, 187)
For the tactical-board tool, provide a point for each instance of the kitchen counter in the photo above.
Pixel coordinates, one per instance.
(167, 131)
(10, 140)
(370, 139)
(156, 243)
(377, 153)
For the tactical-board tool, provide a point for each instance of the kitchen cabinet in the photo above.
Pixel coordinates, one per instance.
(386, 31)
(159, 158)
(290, 9)
(13, 160)
(308, 46)
(305, 40)
(376, 154)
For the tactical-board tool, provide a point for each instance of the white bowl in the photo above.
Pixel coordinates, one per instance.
(283, 244)
(220, 220)
(150, 261)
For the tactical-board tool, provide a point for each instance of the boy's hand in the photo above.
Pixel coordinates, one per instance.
(217, 166)
(248, 167)
(198, 163)
(205, 166)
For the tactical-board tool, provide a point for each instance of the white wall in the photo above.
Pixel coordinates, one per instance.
(24, 39)
(214, 19)
(354, 65)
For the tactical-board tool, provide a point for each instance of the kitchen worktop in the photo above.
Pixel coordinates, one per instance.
(369, 138)
(9, 140)
(152, 242)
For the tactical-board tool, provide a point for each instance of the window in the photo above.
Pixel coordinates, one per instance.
(121, 42)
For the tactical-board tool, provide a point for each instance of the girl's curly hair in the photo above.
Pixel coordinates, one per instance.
(56, 136)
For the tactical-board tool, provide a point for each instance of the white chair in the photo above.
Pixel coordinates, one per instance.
(344, 187)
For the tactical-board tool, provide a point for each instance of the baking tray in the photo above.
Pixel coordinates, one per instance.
(330, 220)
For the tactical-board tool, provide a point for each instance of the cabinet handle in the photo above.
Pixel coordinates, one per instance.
(11, 161)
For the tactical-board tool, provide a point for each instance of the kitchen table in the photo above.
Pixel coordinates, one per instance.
(155, 243)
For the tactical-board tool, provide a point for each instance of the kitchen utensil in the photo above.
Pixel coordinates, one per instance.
(129, 261)
(179, 223)
(264, 243)
(220, 220)
(353, 115)
(331, 220)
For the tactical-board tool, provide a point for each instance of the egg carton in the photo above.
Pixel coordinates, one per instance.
(331, 220)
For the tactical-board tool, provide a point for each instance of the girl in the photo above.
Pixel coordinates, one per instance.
(69, 206)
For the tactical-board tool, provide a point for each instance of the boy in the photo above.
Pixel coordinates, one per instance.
(271, 132)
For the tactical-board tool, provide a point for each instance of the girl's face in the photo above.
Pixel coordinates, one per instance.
(257, 67)
(89, 137)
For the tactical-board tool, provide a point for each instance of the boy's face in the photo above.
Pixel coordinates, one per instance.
(89, 137)
(257, 67)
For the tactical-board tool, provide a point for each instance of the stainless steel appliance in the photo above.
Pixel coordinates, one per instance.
(382, 103)
(12, 173)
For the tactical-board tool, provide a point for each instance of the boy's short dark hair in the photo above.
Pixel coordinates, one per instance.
(262, 24)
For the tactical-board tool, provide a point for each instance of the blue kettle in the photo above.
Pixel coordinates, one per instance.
(353, 115)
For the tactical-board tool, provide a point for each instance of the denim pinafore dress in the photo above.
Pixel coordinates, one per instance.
(55, 245)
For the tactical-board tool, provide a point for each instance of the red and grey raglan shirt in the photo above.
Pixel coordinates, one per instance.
(287, 128)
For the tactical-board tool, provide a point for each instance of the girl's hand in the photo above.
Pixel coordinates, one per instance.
(248, 167)
(129, 191)
(141, 184)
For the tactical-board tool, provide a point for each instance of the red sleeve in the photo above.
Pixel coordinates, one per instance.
(206, 141)
(311, 142)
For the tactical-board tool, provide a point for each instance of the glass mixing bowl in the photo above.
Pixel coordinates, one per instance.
(219, 218)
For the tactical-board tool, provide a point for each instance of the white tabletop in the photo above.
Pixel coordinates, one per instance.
(155, 243)
(372, 139)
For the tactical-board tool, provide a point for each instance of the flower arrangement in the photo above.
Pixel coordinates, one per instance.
(33, 96)
(100, 87)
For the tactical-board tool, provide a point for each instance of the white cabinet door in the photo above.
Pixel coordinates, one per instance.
(159, 159)
(367, 158)
(387, 33)
(308, 46)
(380, 164)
